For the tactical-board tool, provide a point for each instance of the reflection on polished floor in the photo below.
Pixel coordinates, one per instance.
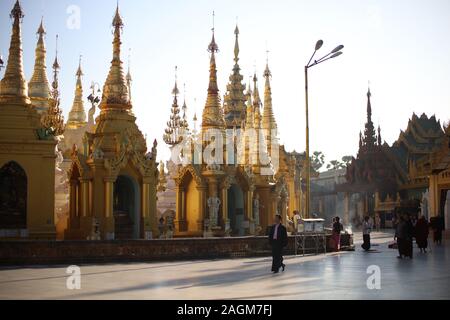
(331, 276)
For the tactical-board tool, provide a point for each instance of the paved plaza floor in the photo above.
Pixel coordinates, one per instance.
(340, 275)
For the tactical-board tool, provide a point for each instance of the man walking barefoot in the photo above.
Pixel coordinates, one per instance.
(278, 240)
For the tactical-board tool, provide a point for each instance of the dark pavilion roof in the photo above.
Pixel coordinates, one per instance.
(428, 124)
(422, 136)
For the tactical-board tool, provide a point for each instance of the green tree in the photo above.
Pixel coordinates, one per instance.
(317, 160)
(335, 164)
(347, 160)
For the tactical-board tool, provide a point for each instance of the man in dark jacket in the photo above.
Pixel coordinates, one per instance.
(278, 240)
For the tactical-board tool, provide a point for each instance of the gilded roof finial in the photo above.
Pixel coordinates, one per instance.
(55, 67)
(17, 12)
(13, 85)
(195, 120)
(185, 123)
(213, 47)
(212, 116)
(268, 120)
(115, 90)
(249, 111)
(234, 99)
(41, 30)
(267, 72)
(236, 45)
(128, 76)
(38, 87)
(256, 102)
(117, 20)
(175, 90)
(256, 98)
(77, 115)
(79, 71)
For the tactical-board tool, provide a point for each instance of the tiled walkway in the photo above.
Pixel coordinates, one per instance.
(331, 276)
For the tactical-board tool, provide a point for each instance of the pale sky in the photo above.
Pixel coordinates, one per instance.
(400, 46)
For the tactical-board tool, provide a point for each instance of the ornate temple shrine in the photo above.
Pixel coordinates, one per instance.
(113, 178)
(27, 145)
(249, 177)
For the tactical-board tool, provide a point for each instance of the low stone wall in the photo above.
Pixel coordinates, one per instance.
(78, 252)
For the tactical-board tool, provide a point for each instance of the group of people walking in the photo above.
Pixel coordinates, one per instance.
(407, 228)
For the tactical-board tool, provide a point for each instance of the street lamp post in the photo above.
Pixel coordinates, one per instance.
(334, 53)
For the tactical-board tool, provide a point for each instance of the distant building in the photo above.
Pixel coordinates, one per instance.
(385, 179)
(326, 202)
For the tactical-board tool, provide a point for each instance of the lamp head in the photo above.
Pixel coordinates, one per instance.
(338, 48)
(319, 44)
(336, 54)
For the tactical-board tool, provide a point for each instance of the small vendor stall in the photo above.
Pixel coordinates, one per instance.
(310, 235)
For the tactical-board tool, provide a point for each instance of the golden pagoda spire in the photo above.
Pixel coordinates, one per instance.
(55, 67)
(184, 122)
(77, 115)
(256, 103)
(52, 119)
(212, 113)
(249, 113)
(248, 125)
(260, 143)
(128, 76)
(236, 45)
(234, 99)
(194, 119)
(115, 90)
(38, 87)
(268, 119)
(13, 86)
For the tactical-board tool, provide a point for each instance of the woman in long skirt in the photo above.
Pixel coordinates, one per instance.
(409, 237)
(422, 230)
(400, 235)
